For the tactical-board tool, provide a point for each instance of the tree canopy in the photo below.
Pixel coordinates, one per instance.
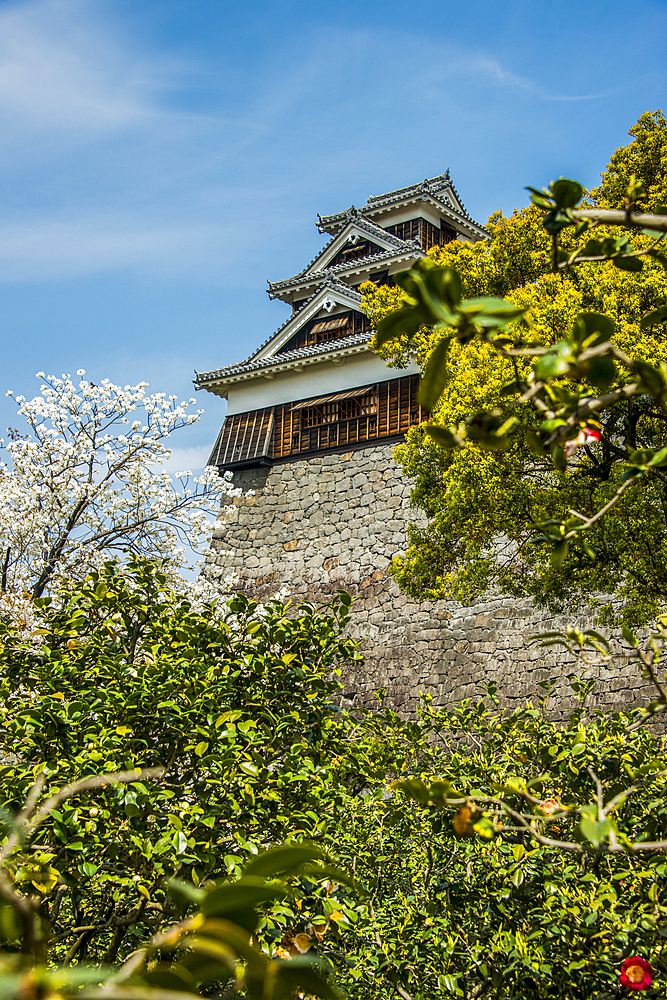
(459, 853)
(483, 505)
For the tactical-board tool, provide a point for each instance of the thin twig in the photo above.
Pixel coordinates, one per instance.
(68, 791)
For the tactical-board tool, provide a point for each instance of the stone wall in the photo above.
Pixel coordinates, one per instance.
(335, 521)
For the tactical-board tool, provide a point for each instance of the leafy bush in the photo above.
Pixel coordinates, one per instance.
(237, 708)
(494, 878)
(210, 949)
(467, 902)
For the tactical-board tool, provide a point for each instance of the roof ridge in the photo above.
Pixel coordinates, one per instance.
(408, 245)
(426, 184)
(429, 184)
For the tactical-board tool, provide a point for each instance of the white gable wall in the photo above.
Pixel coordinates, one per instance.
(417, 210)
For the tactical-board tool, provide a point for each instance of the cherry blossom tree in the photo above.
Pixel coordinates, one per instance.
(87, 483)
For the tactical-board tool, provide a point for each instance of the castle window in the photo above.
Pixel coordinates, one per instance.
(321, 331)
(362, 406)
(314, 416)
(330, 329)
(332, 409)
(355, 251)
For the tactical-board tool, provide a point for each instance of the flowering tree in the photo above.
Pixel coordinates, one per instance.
(87, 482)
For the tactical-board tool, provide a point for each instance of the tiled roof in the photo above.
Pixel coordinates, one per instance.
(333, 346)
(431, 186)
(367, 227)
(329, 281)
(407, 246)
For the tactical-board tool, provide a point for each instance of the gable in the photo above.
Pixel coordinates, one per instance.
(355, 251)
(358, 239)
(331, 299)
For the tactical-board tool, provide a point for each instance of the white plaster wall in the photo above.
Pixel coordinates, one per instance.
(428, 212)
(315, 380)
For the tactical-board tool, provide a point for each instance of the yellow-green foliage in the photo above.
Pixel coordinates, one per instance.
(482, 506)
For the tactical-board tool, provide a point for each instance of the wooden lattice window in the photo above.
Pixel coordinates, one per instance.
(314, 416)
(362, 406)
(244, 437)
(355, 251)
(431, 236)
(447, 234)
(406, 230)
(339, 420)
(320, 331)
(330, 329)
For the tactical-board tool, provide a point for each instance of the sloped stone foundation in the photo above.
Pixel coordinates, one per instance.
(335, 521)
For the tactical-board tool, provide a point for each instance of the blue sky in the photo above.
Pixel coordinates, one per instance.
(162, 158)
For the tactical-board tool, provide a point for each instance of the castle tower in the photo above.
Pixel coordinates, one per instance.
(313, 419)
(316, 385)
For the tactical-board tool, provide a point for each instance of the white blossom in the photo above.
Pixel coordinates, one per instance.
(76, 492)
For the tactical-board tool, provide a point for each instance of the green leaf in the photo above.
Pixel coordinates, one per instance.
(436, 289)
(651, 377)
(566, 193)
(630, 637)
(332, 873)
(559, 554)
(601, 372)
(306, 979)
(170, 978)
(450, 983)
(556, 220)
(556, 361)
(180, 842)
(592, 329)
(633, 264)
(596, 832)
(443, 436)
(402, 322)
(185, 891)
(233, 936)
(659, 459)
(492, 308)
(592, 248)
(435, 376)
(244, 894)
(413, 788)
(285, 860)
(558, 458)
(658, 315)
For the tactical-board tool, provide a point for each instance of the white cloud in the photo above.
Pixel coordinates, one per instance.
(59, 71)
(65, 249)
(107, 175)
